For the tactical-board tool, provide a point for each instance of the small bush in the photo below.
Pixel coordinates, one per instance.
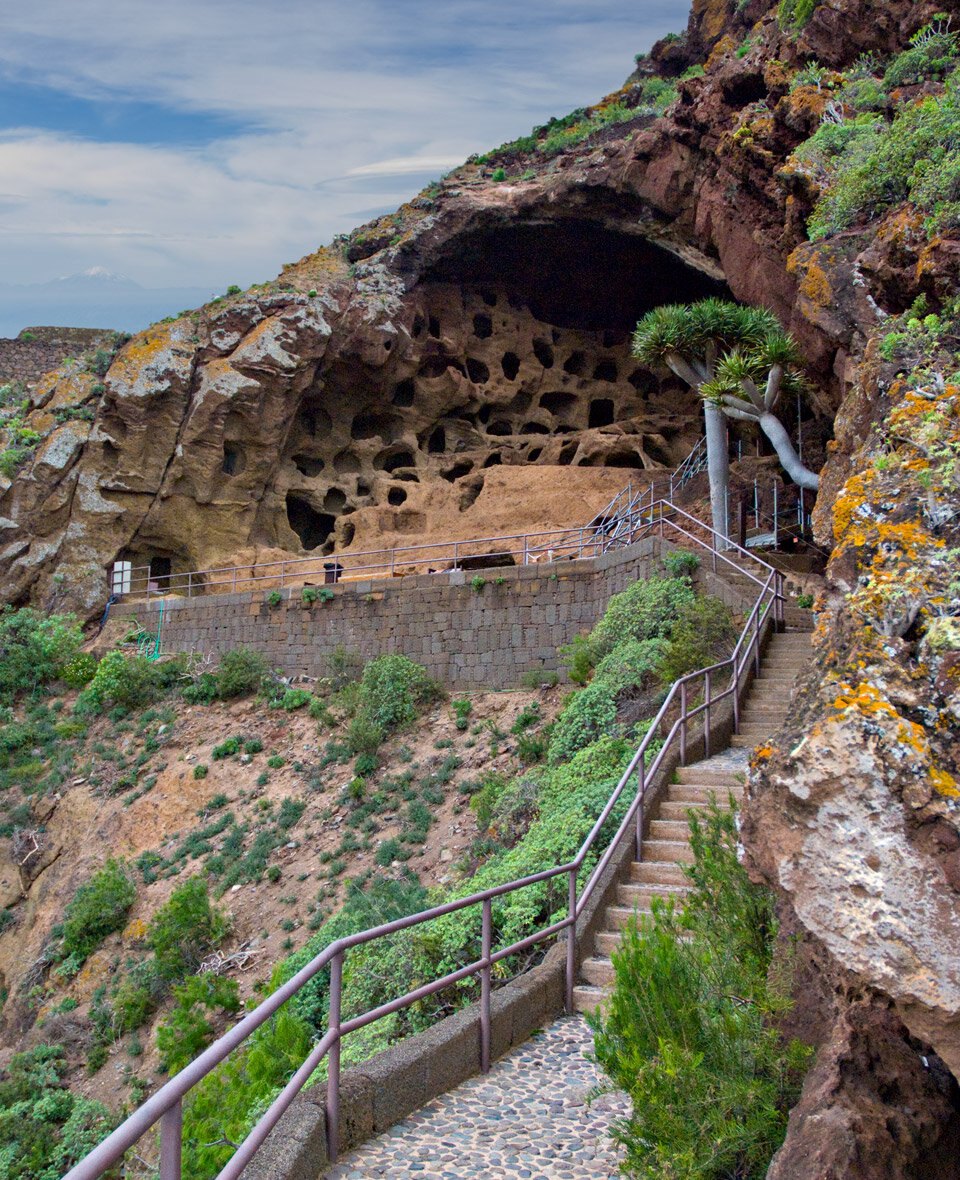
(703, 636)
(579, 658)
(295, 698)
(680, 563)
(274, 598)
(130, 682)
(273, 874)
(97, 909)
(366, 764)
(276, 761)
(79, 670)
(392, 691)
(34, 648)
(478, 583)
(590, 714)
(539, 679)
(462, 708)
(184, 928)
(186, 1032)
(240, 673)
(200, 771)
(203, 690)
(646, 610)
(226, 749)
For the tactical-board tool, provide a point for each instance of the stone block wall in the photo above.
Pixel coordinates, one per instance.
(38, 350)
(464, 638)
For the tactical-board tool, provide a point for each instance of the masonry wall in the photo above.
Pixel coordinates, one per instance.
(38, 350)
(463, 637)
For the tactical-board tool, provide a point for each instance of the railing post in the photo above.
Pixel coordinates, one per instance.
(190, 585)
(571, 936)
(333, 1076)
(736, 694)
(779, 600)
(234, 579)
(683, 723)
(756, 642)
(171, 1142)
(486, 942)
(706, 716)
(456, 555)
(282, 567)
(641, 791)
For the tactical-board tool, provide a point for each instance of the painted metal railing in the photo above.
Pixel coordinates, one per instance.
(166, 1106)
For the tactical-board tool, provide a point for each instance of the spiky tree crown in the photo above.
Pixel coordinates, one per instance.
(690, 330)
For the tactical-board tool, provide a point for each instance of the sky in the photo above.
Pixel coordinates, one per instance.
(198, 143)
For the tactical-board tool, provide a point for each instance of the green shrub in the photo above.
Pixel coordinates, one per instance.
(130, 682)
(34, 648)
(646, 610)
(45, 1128)
(296, 698)
(184, 928)
(690, 1031)
(309, 595)
(240, 672)
(579, 659)
(97, 909)
(703, 635)
(252, 746)
(478, 583)
(590, 714)
(393, 689)
(186, 1032)
(79, 670)
(462, 708)
(536, 678)
(200, 771)
(276, 761)
(202, 690)
(366, 764)
(634, 664)
(932, 54)
(498, 174)
(226, 749)
(274, 598)
(795, 13)
(680, 563)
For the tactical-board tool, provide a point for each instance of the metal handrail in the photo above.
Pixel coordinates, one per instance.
(166, 1104)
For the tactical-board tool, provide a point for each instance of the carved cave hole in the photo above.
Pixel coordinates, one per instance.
(493, 460)
(363, 489)
(510, 365)
(375, 424)
(314, 420)
(458, 471)
(308, 465)
(567, 452)
(575, 364)
(394, 460)
(534, 454)
(500, 427)
(433, 327)
(334, 501)
(558, 404)
(471, 489)
(437, 442)
(489, 298)
(419, 323)
(601, 412)
(347, 533)
(312, 527)
(477, 371)
(534, 428)
(233, 462)
(619, 458)
(396, 496)
(606, 371)
(484, 416)
(346, 463)
(404, 393)
(544, 353)
(643, 381)
(482, 326)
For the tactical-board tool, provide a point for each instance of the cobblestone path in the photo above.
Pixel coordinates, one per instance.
(528, 1119)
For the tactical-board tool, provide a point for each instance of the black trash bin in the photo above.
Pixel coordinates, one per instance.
(331, 572)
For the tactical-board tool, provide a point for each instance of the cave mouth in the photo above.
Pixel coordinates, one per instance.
(312, 527)
(575, 273)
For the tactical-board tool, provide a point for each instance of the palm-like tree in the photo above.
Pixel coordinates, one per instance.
(723, 350)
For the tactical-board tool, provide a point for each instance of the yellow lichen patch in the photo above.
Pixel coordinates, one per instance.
(815, 286)
(944, 783)
(865, 698)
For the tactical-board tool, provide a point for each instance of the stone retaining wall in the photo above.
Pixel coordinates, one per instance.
(464, 638)
(38, 350)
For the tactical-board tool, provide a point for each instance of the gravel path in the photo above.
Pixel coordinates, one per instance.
(528, 1119)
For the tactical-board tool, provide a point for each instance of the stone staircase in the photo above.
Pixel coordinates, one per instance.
(667, 846)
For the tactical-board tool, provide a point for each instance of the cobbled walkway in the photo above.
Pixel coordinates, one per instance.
(528, 1119)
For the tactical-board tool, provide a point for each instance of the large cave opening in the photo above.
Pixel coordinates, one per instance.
(575, 273)
(312, 527)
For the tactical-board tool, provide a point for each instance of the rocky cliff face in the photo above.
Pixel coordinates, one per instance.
(366, 393)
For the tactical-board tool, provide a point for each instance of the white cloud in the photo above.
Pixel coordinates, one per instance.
(403, 164)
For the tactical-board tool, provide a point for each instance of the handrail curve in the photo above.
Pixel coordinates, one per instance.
(165, 1105)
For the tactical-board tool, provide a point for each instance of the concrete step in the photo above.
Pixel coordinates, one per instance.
(668, 829)
(648, 872)
(597, 971)
(678, 811)
(668, 851)
(702, 775)
(756, 729)
(587, 998)
(638, 895)
(606, 942)
(739, 742)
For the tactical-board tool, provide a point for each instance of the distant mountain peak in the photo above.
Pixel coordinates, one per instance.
(96, 274)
